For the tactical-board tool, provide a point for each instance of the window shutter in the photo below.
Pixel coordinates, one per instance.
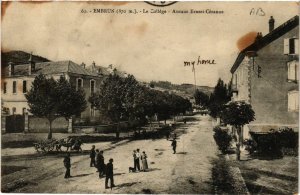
(296, 101)
(296, 42)
(286, 49)
(293, 101)
(296, 70)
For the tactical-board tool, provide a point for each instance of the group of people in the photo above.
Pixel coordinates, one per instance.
(137, 158)
(97, 160)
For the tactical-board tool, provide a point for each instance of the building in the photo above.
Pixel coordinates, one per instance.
(17, 80)
(265, 75)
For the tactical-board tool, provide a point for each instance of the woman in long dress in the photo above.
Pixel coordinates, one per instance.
(144, 161)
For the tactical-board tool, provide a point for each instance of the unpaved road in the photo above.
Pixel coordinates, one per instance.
(188, 171)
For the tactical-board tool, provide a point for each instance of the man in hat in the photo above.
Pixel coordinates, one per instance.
(109, 174)
(101, 164)
(67, 164)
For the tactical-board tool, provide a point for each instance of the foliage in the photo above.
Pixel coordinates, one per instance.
(222, 138)
(125, 98)
(201, 98)
(52, 99)
(218, 98)
(237, 113)
(276, 141)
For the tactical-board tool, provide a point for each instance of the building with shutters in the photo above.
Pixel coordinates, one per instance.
(17, 80)
(265, 75)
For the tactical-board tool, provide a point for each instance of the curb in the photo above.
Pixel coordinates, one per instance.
(239, 182)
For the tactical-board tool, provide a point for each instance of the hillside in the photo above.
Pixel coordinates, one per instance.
(185, 90)
(19, 57)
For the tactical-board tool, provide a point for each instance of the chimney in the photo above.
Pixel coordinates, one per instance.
(93, 66)
(258, 36)
(31, 65)
(83, 65)
(271, 24)
(11, 69)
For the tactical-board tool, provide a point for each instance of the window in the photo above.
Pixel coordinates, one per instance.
(92, 86)
(24, 111)
(14, 110)
(4, 87)
(293, 70)
(291, 46)
(79, 83)
(24, 86)
(14, 86)
(293, 101)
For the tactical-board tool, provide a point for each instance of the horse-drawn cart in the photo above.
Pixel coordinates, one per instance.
(49, 145)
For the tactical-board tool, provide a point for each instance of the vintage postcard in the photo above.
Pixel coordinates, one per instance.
(158, 97)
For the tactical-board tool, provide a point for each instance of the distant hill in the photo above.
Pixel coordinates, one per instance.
(19, 57)
(185, 90)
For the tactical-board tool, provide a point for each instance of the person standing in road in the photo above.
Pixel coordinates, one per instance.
(144, 161)
(109, 174)
(134, 162)
(97, 160)
(101, 164)
(137, 159)
(92, 156)
(67, 164)
(174, 144)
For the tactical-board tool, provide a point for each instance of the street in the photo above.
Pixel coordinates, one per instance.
(187, 171)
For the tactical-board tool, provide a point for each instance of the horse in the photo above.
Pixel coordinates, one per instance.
(72, 143)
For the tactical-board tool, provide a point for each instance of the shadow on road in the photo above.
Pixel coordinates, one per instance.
(126, 185)
(116, 174)
(82, 175)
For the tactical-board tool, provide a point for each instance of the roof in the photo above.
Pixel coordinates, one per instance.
(50, 68)
(267, 39)
(105, 70)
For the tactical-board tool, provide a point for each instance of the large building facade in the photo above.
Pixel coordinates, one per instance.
(265, 75)
(17, 80)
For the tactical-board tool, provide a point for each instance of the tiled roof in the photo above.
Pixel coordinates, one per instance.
(105, 70)
(50, 68)
(273, 35)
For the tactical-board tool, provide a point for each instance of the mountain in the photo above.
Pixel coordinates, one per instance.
(19, 57)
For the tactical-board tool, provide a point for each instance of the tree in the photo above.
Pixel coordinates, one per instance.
(218, 98)
(115, 98)
(238, 114)
(201, 98)
(52, 99)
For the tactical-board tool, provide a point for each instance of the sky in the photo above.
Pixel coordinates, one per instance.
(150, 46)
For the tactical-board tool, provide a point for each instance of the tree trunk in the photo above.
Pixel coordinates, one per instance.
(50, 129)
(239, 133)
(118, 131)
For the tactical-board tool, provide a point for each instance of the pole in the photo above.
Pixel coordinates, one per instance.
(194, 70)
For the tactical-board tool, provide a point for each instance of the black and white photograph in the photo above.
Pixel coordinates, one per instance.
(150, 97)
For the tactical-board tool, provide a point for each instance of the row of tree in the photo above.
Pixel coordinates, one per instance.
(118, 99)
(235, 113)
(125, 99)
(50, 98)
(215, 101)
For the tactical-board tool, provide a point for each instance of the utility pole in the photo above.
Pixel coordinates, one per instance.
(194, 70)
